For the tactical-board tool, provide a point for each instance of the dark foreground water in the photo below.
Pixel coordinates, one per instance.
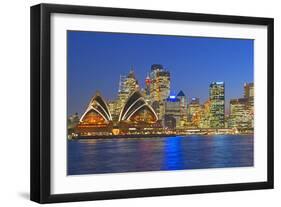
(166, 153)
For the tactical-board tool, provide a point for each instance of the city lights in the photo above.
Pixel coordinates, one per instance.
(153, 110)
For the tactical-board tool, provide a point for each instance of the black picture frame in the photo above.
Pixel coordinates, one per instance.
(41, 98)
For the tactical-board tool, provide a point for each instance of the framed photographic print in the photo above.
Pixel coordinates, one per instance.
(133, 103)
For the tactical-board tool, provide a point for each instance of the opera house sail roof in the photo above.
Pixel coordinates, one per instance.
(97, 111)
(135, 109)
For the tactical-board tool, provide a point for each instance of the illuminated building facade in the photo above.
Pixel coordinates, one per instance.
(205, 114)
(96, 110)
(96, 119)
(249, 94)
(112, 107)
(217, 107)
(242, 109)
(172, 112)
(159, 88)
(248, 90)
(135, 116)
(150, 110)
(193, 107)
(136, 109)
(183, 108)
(127, 85)
(240, 114)
(147, 89)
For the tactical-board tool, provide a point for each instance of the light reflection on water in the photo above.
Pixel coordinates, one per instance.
(165, 153)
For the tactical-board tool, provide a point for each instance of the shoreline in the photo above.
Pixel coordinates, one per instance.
(146, 136)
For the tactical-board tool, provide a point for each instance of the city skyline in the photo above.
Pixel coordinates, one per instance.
(82, 83)
(156, 102)
(153, 110)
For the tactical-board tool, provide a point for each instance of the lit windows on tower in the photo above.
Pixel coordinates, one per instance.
(160, 83)
(248, 90)
(127, 85)
(159, 88)
(147, 88)
(217, 104)
(240, 114)
(193, 107)
(183, 108)
(249, 94)
(242, 109)
(172, 112)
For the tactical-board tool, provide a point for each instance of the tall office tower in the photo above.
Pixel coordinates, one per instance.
(122, 94)
(127, 85)
(122, 81)
(172, 112)
(248, 90)
(147, 89)
(217, 108)
(204, 121)
(249, 94)
(160, 83)
(183, 108)
(240, 116)
(159, 88)
(193, 107)
(131, 84)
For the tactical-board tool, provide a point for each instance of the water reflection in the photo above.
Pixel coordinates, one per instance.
(173, 158)
(150, 154)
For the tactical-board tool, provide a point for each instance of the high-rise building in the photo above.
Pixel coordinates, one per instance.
(160, 83)
(240, 114)
(193, 107)
(248, 90)
(127, 85)
(242, 109)
(131, 83)
(183, 108)
(172, 111)
(159, 88)
(249, 94)
(217, 107)
(147, 89)
(123, 94)
(205, 113)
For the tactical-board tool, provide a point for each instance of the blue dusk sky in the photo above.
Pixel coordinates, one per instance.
(95, 61)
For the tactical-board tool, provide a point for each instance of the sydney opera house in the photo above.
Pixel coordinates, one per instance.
(153, 110)
(135, 116)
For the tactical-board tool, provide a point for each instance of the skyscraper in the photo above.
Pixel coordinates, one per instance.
(127, 85)
(249, 94)
(160, 83)
(242, 109)
(147, 89)
(183, 108)
(131, 83)
(193, 107)
(248, 90)
(204, 121)
(159, 87)
(240, 115)
(172, 112)
(217, 104)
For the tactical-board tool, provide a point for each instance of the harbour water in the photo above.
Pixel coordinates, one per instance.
(93, 156)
